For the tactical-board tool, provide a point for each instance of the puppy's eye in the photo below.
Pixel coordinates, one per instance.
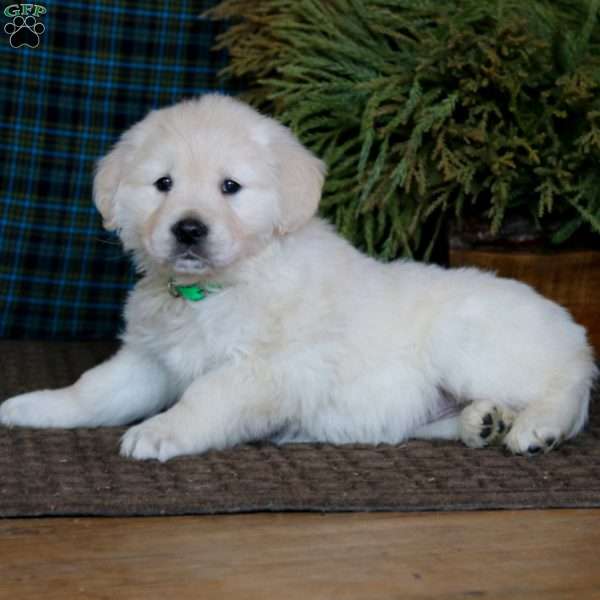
(229, 186)
(163, 184)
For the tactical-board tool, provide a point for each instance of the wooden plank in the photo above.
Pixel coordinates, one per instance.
(512, 554)
(570, 277)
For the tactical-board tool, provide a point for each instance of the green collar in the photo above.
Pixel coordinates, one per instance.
(194, 292)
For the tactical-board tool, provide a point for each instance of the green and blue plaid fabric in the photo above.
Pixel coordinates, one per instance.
(74, 76)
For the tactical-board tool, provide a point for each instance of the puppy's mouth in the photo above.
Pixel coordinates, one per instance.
(189, 261)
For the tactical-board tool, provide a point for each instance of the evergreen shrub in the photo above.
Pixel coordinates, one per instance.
(427, 111)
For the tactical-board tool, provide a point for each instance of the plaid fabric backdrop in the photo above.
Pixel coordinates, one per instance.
(98, 67)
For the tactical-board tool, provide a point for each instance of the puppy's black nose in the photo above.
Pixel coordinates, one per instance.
(189, 231)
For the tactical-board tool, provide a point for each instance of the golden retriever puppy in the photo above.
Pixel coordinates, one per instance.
(253, 319)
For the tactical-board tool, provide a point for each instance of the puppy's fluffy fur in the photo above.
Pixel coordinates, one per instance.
(307, 339)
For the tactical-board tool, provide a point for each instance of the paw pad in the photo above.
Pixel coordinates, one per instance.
(493, 427)
(483, 424)
(485, 432)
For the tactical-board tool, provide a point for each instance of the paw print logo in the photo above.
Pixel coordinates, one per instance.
(24, 31)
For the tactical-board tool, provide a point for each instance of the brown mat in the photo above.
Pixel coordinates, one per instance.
(79, 472)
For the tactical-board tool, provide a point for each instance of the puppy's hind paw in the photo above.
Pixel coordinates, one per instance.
(530, 438)
(484, 423)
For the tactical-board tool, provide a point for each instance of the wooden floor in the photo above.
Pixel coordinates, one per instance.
(509, 555)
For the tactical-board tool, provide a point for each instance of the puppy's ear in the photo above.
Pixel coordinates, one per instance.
(111, 168)
(301, 176)
(106, 182)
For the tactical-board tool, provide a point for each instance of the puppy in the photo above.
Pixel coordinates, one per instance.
(253, 319)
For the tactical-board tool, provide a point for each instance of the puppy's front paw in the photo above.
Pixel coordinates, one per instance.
(484, 423)
(35, 409)
(156, 438)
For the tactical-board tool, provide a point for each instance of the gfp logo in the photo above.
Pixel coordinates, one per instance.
(25, 29)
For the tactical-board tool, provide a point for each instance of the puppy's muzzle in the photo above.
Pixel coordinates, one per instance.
(189, 231)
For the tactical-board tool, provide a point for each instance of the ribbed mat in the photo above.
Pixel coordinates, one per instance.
(79, 472)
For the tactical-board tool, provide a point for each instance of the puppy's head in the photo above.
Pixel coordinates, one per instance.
(198, 186)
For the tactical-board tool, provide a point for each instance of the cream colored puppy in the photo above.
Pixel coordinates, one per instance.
(299, 336)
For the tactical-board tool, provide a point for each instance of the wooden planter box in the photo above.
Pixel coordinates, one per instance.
(569, 277)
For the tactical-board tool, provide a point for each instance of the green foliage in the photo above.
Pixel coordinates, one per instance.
(427, 110)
